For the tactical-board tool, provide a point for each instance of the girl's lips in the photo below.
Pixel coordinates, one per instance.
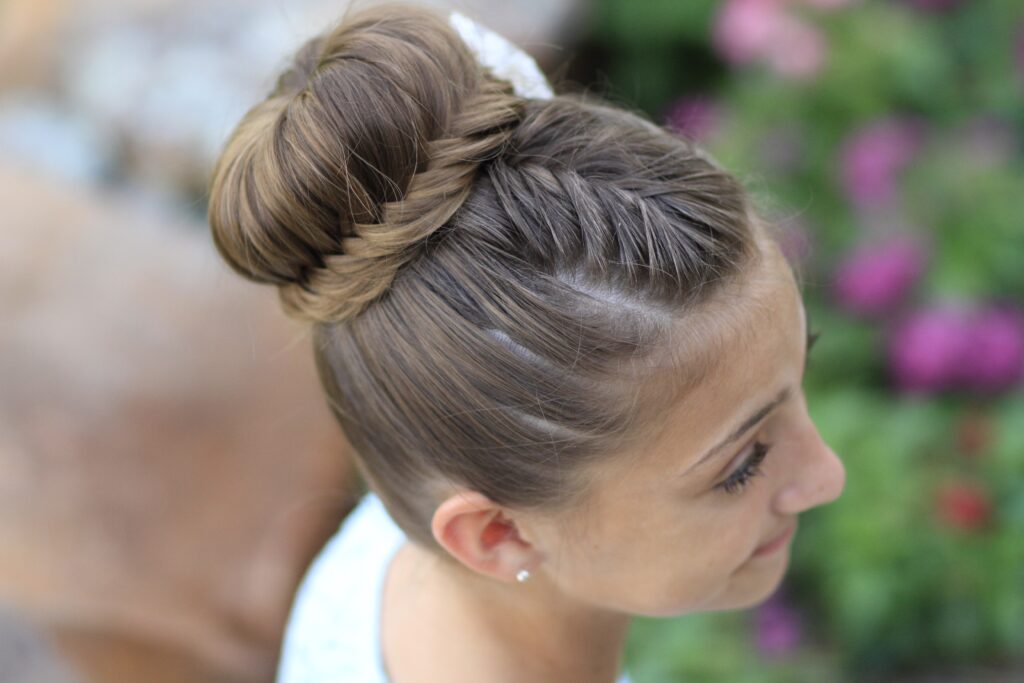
(778, 543)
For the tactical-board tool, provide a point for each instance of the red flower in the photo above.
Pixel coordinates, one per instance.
(963, 505)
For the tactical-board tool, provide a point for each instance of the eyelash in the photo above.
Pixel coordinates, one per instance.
(812, 337)
(750, 468)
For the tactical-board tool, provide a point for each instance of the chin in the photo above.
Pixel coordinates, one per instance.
(753, 583)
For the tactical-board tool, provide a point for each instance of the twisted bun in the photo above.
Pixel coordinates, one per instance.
(365, 146)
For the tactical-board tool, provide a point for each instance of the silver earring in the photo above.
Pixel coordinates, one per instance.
(523, 575)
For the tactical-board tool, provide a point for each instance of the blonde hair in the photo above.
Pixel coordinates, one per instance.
(487, 277)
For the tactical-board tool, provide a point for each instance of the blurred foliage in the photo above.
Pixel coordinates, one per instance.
(909, 122)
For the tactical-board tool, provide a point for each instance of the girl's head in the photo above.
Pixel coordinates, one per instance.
(531, 318)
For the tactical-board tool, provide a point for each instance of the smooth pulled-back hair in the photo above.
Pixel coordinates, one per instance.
(491, 280)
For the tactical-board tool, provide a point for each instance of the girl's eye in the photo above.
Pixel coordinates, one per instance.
(750, 468)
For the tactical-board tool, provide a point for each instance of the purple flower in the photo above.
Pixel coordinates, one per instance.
(871, 158)
(698, 117)
(994, 357)
(877, 277)
(777, 626)
(927, 348)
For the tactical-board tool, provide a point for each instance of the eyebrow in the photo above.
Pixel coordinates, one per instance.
(760, 413)
(743, 427)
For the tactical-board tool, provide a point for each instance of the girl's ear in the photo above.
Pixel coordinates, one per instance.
(478, 533)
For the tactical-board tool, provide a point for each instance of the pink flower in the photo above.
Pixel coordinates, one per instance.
(765, 30)
(926, 350)
(698, 117)
(777, 626)
(877, 277)
(871, 158)
(994, 359)
(798, 50)
(744, 29)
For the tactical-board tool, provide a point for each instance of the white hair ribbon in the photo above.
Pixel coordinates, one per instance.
(502, 58)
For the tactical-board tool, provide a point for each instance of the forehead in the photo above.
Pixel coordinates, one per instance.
(739, 349)
(750, 340)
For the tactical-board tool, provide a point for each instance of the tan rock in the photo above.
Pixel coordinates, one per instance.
(168, 466)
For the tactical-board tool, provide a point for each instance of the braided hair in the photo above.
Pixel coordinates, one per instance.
(502, 291)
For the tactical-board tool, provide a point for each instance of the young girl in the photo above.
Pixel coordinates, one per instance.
(566, 351)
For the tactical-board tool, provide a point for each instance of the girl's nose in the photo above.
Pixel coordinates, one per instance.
(819, 478)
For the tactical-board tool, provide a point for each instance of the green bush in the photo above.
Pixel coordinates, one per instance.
(907, 127)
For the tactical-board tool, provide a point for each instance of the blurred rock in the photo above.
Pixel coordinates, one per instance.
(168, 465)
(29, 32)
(168, 79)
(27, 655)
(39, 133)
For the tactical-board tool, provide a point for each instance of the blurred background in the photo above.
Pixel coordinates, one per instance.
(168, 467)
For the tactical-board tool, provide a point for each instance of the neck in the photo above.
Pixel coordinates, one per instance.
(534, 626)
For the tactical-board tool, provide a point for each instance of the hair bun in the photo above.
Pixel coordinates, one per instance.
(367, 144)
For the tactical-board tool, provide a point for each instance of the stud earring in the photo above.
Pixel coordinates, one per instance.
(523, 575)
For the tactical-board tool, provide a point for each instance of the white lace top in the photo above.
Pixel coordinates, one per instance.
(333, 631)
